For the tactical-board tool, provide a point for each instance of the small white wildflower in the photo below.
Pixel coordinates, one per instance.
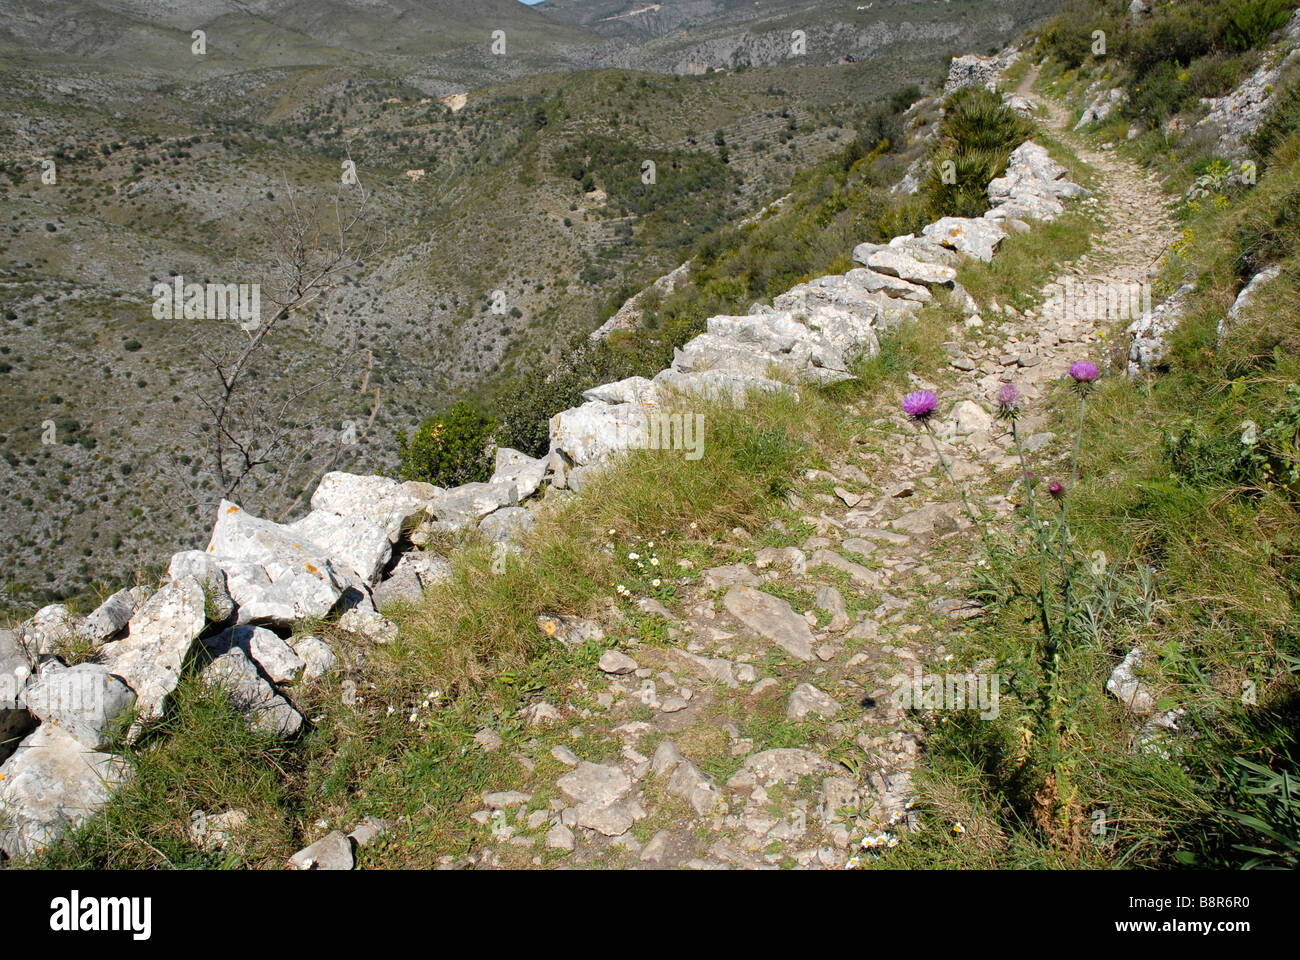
(654, 582)
(634, 556)
(654, 561)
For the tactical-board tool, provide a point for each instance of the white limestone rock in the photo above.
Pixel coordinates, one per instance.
(524, 472)
(354, 544)
(1244, 299)
(84, 701)
(274, 575)
(158, 641)
(317, 656)
(414, 573)
(276, 658)
(466, 505)
(900, 265)
(109, 618)
(204, 568)
(383, 501)
(506, 524)
(896, 287)
(50, 628)
(772, 618)
(977, 238)
(631, 390)
(596, 431)
(266, 711)
(1149, 333)
(715, 384)
(52, 784)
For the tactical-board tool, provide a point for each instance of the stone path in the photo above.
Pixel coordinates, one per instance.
(768, 734)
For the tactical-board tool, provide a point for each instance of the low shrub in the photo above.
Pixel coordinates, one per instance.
(449, 449)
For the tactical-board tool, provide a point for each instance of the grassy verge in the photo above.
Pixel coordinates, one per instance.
(1183, 525)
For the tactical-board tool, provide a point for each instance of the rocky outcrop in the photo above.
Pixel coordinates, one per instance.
(972, 70)
(1245, 298)
(977, 238)
(51, 784)
(1033, 187)
(85, 701)
(1149, 333)
(274, 574)
(1239, 114)
(629, 314)
(158, 643)
(1102, 107)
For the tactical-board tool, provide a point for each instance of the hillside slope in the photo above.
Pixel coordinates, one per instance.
(168, 163)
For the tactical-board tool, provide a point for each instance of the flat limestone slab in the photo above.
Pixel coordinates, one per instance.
(771, 617)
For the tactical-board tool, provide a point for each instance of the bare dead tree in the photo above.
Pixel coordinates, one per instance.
(257, 437)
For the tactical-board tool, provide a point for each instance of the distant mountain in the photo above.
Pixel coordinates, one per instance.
(155, 35)
(643, 19)
(696, 36)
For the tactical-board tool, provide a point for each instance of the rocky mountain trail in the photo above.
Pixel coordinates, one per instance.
(894, 542)
(765, 728)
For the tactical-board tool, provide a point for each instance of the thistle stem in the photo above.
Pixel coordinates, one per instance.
(970, 511)
(1078, 435)
(1044, 612)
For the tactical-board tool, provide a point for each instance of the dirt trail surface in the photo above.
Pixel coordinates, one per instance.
(766, 735)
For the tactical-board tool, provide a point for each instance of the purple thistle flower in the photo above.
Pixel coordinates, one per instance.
(920, 405)
(1057, 491)
(1009, 398)
(1083, 371)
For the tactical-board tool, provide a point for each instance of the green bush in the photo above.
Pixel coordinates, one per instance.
(1160, 94)
(977, 135)
(1069, 38)
(452, 448)
(1249, 24)
(904, 97)
(1269, 238)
